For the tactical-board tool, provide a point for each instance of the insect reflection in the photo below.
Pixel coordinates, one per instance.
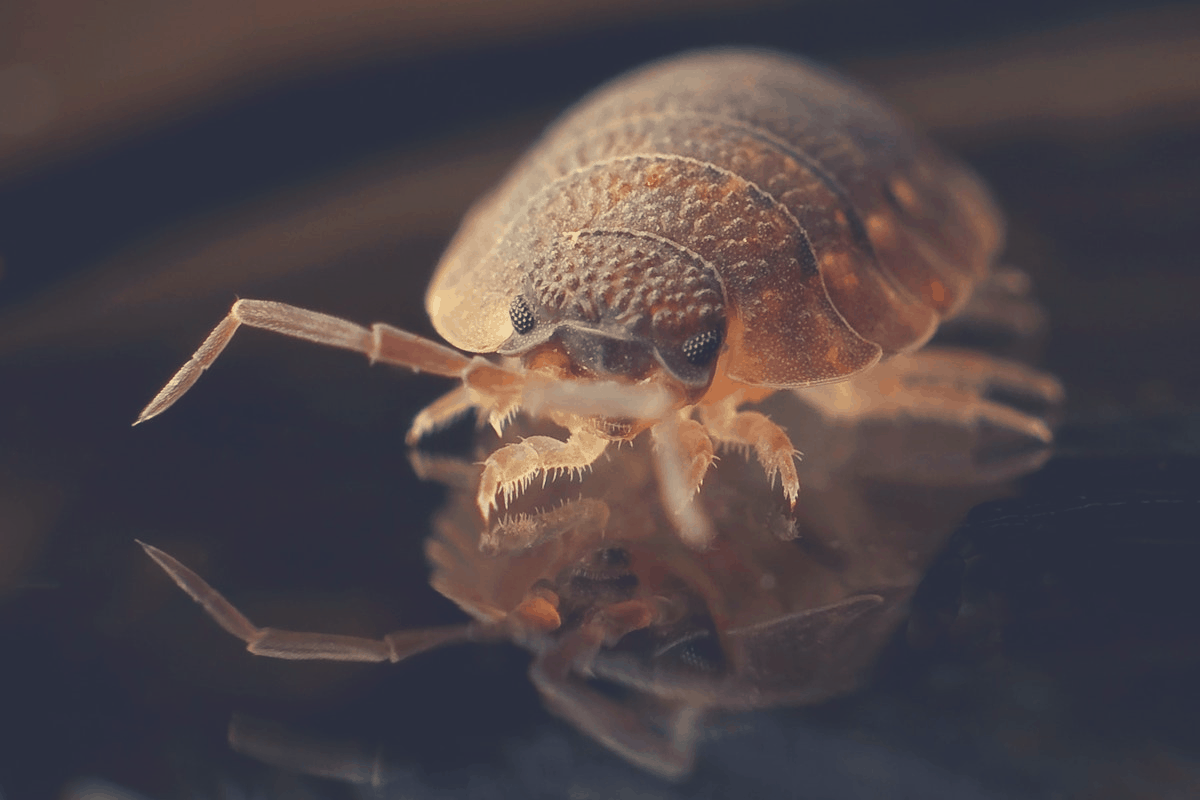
(785, 607)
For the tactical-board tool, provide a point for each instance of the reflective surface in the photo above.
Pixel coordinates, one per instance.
(1054, 647)
(781, 608)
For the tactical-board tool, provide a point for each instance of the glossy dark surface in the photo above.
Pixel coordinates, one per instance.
(283, 479)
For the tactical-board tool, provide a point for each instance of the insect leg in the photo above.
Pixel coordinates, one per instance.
(695, 452)
(1001, 305)
(682, 455)
(751, 429)
(586, 517)
(380, 342)
(619, 727)
(304, 646)
(281, 747)
(556, 673)
(980, 375)
(439, 413)
(456, 473)
(512, 468)
(954, 417)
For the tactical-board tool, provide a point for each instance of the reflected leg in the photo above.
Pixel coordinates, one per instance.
(623, 727)
(295, 645)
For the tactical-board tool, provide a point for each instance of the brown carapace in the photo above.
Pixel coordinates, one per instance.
(696, 235)
(785, 607)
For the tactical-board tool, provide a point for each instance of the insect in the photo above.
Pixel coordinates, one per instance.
(784, 607)
(694, 236)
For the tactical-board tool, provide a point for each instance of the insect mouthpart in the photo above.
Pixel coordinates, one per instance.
(615, 428)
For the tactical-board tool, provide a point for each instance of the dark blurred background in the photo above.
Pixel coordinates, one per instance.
(158, 159)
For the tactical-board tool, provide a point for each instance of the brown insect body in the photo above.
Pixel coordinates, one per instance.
(693, 236)
(734, 203)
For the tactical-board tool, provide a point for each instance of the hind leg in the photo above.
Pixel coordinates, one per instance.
(946, 416)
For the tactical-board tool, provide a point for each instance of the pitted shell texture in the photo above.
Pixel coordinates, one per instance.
(835, 232)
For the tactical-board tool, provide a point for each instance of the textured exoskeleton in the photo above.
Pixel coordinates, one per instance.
(695, 235)
(784, 607)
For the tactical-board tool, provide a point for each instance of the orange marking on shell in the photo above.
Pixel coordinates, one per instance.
(619, 191)
(840, 264)
(937, 292)
(656, 175)
(833, 355)
(881, 230)
(904, 194)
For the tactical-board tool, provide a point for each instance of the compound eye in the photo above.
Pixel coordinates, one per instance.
(700, 349)
(521, 316)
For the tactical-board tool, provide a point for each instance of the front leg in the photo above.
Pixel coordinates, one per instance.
(380, 343)
(683, 452)
(512, 468)
(752, 430)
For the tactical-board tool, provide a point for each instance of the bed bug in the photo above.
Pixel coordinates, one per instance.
(694, 236)
(782, 608)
